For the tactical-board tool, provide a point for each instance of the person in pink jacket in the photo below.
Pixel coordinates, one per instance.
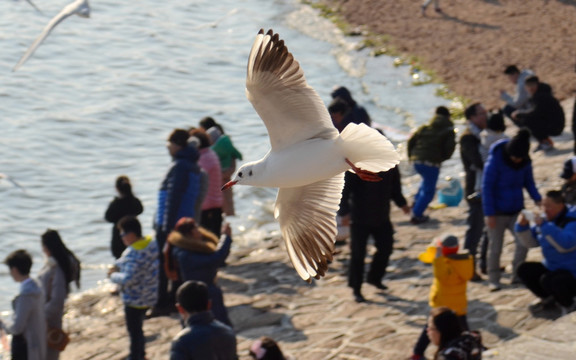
(211, 217)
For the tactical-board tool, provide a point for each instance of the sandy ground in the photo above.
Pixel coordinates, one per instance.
(471, 41)
(467, 46)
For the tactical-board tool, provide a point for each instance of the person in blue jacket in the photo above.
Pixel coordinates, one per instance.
(203, 336)
(197, 256)
(554, 279)
(507, 172)
(180, 195)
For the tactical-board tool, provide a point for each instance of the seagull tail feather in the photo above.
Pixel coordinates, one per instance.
(366, 148)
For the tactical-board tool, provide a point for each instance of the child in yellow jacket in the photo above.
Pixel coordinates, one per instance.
(452, 271)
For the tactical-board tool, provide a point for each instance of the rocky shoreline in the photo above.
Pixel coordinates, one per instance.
(321, 320)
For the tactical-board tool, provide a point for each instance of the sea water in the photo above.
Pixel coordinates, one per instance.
(100, 96)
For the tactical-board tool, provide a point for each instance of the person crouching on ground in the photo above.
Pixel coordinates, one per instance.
(203, 337)
(554, 279)
(452, 271)
(136, 271)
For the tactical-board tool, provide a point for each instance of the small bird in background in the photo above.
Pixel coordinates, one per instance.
(12, 181)
(78, 7)
(34, 6)
(308, 156)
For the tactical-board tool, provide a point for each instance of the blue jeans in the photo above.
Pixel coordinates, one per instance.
(134, 325)
(427, 188)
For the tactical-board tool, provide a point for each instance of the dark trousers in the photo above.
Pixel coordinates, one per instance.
(383, 241)
(19, 348)
(424, 341)
(211, 219)
(164, 300)
(475, 229)
(560, 284)
(134, 325)
(574, 126)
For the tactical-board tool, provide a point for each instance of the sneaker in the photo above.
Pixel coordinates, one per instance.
(377, 285)
(438, 10)
(565, 310)
(417, 220)
(544, 146)
(358, 297)
(543, 304)
(476, 277)
(494, 287)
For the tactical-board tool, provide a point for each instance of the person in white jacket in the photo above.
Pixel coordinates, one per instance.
(29, 325)
(518, 101)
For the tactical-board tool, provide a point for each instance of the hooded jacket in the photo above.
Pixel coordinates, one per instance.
(557, 237)
(181, 191)
(434, 142)
(502, 184)
(138, 273)
(29, 318)
(451, 274)
(546, 110)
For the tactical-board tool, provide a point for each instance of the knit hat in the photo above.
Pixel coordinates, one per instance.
(448, 244)
(519, 145)
(569, 168)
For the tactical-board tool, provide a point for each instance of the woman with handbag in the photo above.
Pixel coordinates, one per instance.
(61, 268)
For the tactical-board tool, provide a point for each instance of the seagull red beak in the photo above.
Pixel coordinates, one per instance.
(228, 185)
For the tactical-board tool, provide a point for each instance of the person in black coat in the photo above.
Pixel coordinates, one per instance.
(545, 117)
(366, 205)
(203, 336)
(123, 205)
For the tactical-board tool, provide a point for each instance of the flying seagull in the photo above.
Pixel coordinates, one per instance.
(34, 5)
(78, 7)
(308, 157)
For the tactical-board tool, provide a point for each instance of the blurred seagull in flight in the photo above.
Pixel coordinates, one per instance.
(308, 157)
(78, 7)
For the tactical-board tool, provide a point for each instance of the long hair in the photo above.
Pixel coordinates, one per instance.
(447, 323)
(65, 259)
(185, 226)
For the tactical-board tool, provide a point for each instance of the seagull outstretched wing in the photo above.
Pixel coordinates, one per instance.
(275, 85)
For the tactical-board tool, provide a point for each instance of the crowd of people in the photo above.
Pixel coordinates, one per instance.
(176, 270)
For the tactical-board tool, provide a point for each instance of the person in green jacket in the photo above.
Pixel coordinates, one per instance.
(227, 153)
(428, 147)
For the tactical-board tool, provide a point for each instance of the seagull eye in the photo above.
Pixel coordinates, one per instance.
(240, 174)
(250, 173)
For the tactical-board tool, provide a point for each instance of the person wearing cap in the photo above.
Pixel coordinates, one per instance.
(554, 279)
(569, 187)
(452, 270)
(180, 195)
(507, 172)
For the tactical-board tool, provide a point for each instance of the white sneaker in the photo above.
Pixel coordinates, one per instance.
(494, 287)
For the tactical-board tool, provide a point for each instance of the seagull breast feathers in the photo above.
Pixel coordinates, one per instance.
(275, 85)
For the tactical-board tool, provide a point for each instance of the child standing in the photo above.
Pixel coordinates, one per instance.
(136, 271)
(452, 271)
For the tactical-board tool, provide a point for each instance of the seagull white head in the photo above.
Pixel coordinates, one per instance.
(246, 175)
